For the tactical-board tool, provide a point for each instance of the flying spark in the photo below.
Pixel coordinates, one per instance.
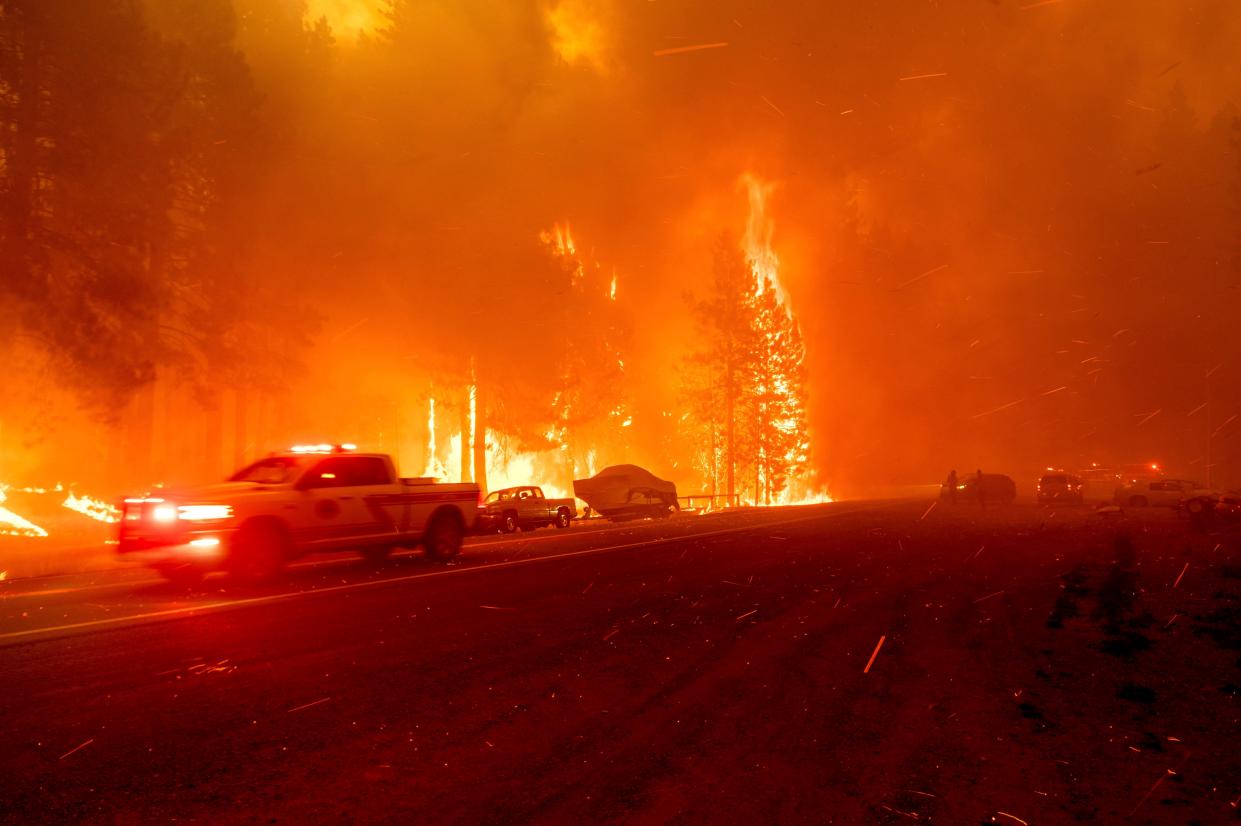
(1230, 420)
(684, 49)
(77, 749)
(874, 654)
(997, 409)
(1013, 817)
(988, 596)
(918, 278)
(773, 106)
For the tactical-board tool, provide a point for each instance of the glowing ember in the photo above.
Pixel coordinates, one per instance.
(13, 525)
(94, 508)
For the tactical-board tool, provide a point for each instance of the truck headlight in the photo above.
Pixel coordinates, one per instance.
(164, 513)
(204, 513)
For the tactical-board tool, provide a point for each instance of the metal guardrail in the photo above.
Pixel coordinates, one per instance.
(712, 500)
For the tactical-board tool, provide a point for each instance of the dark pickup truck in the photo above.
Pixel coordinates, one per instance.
(523, 507)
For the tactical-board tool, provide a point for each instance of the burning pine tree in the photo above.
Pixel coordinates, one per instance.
(746, 386)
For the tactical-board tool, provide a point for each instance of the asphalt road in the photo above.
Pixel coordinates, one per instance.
(849, 663)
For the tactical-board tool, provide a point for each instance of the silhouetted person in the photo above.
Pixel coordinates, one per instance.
(982, 496)
(950, 484)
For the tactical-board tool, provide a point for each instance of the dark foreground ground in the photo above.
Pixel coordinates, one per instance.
(1034, 668)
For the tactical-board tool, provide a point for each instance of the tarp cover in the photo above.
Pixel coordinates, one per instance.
(625, 490)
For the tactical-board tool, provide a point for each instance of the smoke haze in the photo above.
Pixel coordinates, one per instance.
(1009, 230)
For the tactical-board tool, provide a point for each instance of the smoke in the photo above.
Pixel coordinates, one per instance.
(1007, 228)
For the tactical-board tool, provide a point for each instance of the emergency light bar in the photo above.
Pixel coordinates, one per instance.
(345, 448)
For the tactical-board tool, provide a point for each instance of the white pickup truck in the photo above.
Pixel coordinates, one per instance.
(313, 498)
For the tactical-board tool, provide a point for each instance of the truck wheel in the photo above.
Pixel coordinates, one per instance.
(443, 538)
(508, 522)
(563, 519)
(259, 553)
(375, 554)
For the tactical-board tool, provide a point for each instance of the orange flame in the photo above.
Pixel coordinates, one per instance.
(13, 525)
(94, 508)
(765, 265)
(505, 468)
(756, 242)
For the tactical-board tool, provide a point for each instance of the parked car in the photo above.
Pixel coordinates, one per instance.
(996, 488)
(523, 507)
(1162, 493)
(1059, 487)
(1210, 511)
(1099, 483)
(622, 492)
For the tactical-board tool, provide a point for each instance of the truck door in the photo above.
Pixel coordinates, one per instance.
(528, 507)
(331, 512)
(538, 504)
(388, 509)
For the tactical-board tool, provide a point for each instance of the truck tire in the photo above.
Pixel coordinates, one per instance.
(442, 541)
(259, 552)
(563, 519)
(509, 523)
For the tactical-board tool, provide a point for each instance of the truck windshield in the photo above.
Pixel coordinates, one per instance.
(274, 470)
(501, 496)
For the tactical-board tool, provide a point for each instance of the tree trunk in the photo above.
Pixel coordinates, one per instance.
(480, 440)
(730, 427)
(213, 436)
(464, 421)
(240, 428)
